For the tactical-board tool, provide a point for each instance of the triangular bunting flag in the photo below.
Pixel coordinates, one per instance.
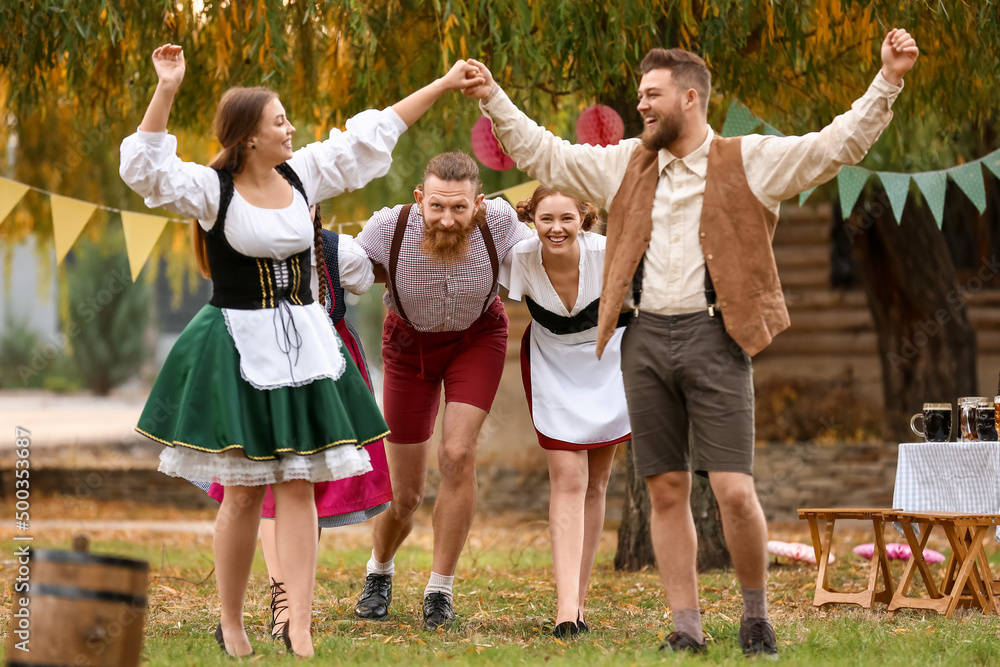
(992, 162)
(850, 183)
(773, 131)
(969, 177)
(521, 192)
(897, 187)
(933, 184)
(803, 196)
(739, 121)
(10, 193)
(69, 217)
(141, 233)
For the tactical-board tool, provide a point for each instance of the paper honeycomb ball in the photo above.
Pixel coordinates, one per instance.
(599, 125)
(486, 147)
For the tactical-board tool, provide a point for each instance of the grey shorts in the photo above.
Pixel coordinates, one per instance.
(690, 395)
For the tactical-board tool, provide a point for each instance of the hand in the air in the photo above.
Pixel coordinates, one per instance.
(899, 52)
(169, 63)
(462, 76)
(484, 89)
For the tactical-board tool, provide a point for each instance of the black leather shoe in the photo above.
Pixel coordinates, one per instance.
(437, 611)
(581, 624)
(682, 641)
(566, 630)
(757, 638)
(373, 604)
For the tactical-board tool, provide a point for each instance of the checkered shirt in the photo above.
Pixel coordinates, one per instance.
(439, 296)
(948, 477)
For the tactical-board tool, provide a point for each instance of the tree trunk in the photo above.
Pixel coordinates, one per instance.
(635, 547)
(926, 343)
(712, 551)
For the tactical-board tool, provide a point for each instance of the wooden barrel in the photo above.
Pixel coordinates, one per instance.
(82, 609)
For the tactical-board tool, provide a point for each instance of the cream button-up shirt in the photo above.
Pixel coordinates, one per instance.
(776, 168)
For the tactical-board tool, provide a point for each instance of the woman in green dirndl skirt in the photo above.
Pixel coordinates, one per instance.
(259, 389)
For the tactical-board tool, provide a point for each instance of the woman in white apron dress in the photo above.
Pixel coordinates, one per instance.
(577, 402)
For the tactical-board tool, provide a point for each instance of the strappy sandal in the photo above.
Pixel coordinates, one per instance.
(278, 604)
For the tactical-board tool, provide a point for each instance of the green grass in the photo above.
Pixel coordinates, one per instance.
(505, 600)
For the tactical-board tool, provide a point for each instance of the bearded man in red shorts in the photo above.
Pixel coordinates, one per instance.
(446, 325)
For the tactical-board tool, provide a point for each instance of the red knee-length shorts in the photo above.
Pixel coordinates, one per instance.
(469, 363)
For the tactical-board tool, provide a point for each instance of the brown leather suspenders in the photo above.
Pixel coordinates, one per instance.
(397, 244)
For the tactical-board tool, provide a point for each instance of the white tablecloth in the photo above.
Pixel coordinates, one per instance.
(948, 477)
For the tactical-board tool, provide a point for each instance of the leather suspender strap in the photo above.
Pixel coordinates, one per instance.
(710, 298)
(710, 294)
(637, 286)
(491, 249)
(397, 243)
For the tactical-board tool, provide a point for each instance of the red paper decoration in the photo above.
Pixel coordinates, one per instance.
(599, 125)
(486, 147)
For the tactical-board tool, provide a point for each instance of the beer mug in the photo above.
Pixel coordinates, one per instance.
(936, 425)
(968, 408)
(986, 421)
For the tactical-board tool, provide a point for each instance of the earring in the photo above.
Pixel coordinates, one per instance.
(253, 147)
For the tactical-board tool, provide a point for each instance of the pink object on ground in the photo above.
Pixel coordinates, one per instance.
(896, 551)
(795, 551)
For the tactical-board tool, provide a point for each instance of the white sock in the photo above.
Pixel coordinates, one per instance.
(439, 583)
(375, 567)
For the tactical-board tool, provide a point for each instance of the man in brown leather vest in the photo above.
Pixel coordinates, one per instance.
(691, 216)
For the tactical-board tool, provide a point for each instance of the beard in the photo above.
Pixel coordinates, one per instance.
(667, 129)
(446, 245)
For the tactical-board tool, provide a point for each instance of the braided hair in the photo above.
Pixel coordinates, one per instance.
(321, 274)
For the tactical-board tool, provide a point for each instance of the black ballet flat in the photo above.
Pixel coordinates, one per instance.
(566, 630)
(222, 644)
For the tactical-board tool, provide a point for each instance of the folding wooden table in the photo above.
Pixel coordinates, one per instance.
(879, 564)
(968, 579)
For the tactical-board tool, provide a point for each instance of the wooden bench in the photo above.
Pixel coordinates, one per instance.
(822, 544)
(968, 580)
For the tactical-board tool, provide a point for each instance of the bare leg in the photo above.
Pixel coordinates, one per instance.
(235, 544)
(408, 472)
(567, 500)
(270, 548)
(455, 506)
(599, 463)
(674, 539)
(295, 530)
(743, 524)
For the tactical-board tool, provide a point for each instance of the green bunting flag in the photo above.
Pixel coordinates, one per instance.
(803, 196)
(969, 177)
(992, 162)
(850, 183)
(897, 187)
(933, 184)
(773, 131)
(739, 121)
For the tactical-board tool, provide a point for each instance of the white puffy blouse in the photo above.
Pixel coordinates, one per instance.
(346, 161)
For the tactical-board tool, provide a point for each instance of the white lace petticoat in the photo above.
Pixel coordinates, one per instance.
(232, 468)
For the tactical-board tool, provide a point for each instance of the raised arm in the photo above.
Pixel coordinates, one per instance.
(781, 167)
(461, 76)
(168, 60)
(149, 162)
(591, 173)
(352, 158)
